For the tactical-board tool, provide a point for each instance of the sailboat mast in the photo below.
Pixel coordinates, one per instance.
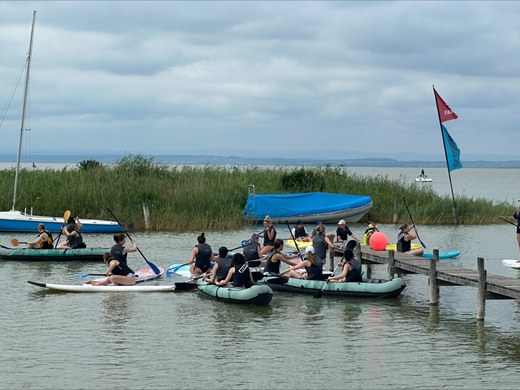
(22, 126)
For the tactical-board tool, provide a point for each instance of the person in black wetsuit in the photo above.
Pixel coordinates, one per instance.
(118, 273)
(239, 273)
(221, 267)
(119, 251)
(313, 270)
(272, 263)
(74, 238)
(513, 218)
(405, 238)
(269, 235)
(201, 256)
(351, 270)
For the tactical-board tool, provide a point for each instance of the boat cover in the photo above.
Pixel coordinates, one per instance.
(287, 205)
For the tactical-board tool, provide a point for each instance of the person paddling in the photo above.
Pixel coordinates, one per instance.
(44, 239)
(515, 216)
(119, 251)
(276, 257)
(405, 238)
(351, 271)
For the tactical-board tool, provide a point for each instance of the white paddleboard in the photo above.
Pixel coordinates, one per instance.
(145, 274)
(511, 263)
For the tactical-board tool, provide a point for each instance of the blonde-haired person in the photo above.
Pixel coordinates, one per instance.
(313, 271)
(405, 237)
(269, 235)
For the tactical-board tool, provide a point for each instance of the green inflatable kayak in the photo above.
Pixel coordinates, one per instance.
(258, 294)
(371, 288)
(27, 254)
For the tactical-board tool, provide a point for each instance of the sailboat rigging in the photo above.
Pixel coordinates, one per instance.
(16, 221)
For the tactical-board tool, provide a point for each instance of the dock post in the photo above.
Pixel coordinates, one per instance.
(481, 291)
(146, 213)
(391, 264)
(434, 283)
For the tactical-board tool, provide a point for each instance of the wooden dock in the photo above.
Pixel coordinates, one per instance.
(488, 286)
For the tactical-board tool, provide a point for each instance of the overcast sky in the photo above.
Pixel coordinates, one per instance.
(295, 79)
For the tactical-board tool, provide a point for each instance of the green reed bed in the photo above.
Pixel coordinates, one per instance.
(213, 197)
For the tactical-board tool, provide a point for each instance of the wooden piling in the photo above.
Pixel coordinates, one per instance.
(434, 283)
(146, 213)
(481, 290)
(391, 264)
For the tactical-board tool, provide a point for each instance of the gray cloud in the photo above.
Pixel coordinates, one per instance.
(334, 79)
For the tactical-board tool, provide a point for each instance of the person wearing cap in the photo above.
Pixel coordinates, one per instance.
(351, 270)
(405, 238)
(299, 233)
(269, 235)
(343, 232)
(321, 243)
(313, 271)
(221, 267)
(371, 229)
(276, 257)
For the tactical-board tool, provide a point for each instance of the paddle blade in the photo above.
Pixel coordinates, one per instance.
(185, 286)
(15, 242)
(171, 271)
(66, 216)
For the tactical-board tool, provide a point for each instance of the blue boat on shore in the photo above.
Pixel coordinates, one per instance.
(309, 207)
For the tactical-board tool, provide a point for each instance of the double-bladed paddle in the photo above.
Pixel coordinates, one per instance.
(154, 268)
(413, 223)
(507, 220)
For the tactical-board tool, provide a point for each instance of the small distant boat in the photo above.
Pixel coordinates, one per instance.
(422, 179)
(309, 207)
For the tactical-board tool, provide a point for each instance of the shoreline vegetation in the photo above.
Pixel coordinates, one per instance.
(207, 198)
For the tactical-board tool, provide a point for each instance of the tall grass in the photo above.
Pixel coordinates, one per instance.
(213, 197)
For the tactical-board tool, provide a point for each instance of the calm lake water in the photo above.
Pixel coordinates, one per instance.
(184, 340)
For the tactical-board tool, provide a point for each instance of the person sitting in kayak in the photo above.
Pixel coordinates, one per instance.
(74, 238)
(118, 273)
(201, 256)
(221, 267)
(313, 271)
(269, 235)
(44, 239)
(239, 272)
(299, 232)
(119, 251)
(351, 270)
(404, 238)
(274, 259)
(251, 250)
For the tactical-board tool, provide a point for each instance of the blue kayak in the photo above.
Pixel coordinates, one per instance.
(443, 255)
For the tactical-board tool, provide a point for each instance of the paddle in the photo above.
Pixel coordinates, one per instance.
(319, 293)
(81, 276)
(508, 221)
(66, 216)
(15, 242)
(415, 227)
(154, 268)
(294, 239)
(171, 271)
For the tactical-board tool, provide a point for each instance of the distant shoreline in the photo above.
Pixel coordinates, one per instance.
(73, 159)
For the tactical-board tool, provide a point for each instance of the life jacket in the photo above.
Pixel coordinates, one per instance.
(47, 244)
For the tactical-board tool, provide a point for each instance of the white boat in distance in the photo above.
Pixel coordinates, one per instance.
(16, 221)
(421, 179)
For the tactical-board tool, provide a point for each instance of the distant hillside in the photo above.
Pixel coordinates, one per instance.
(270, 161)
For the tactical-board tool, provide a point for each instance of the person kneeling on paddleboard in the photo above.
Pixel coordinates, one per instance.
(118, 273)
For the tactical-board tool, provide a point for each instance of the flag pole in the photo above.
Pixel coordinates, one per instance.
(454, 207)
